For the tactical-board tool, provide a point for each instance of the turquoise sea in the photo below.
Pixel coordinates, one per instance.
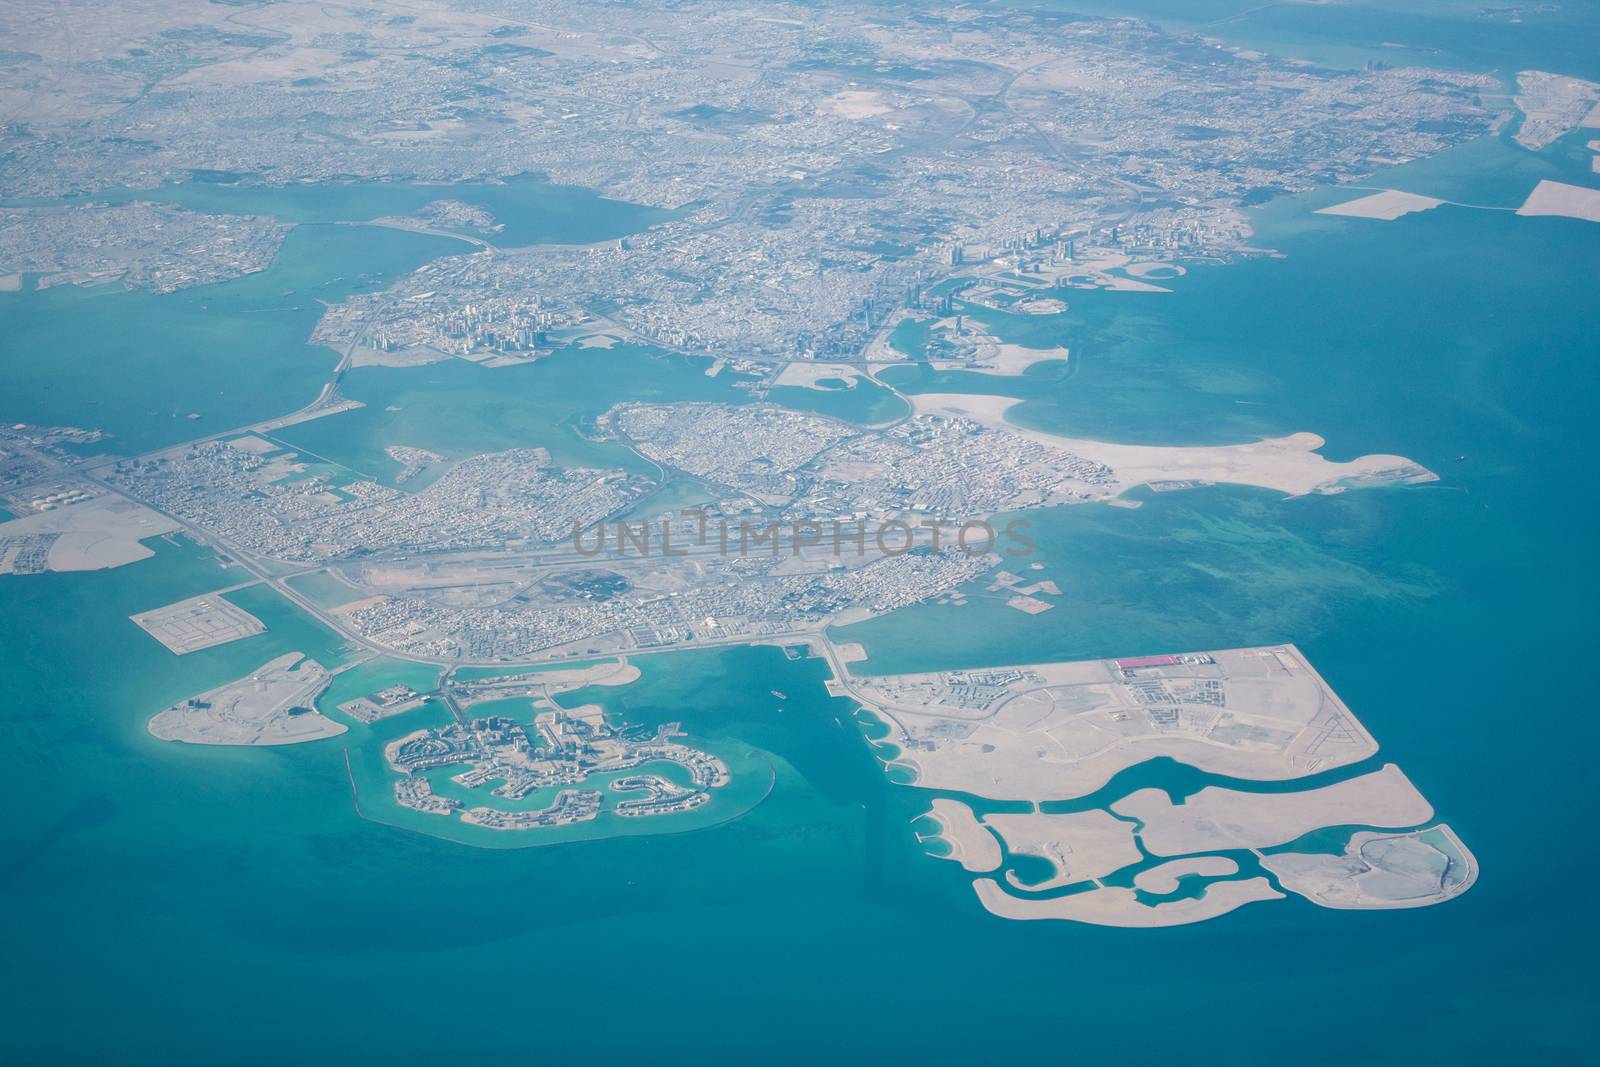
(528, 209)
(137, 364)
(165, 903)
(1463, 34)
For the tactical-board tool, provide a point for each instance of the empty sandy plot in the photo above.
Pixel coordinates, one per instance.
(807, 375)
(199, 622)
(1567, 201)
(273, 705)
(1057, 731)
(855, 104)
(1387, 205)
(104, 531)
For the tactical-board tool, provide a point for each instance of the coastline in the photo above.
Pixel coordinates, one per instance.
(1289, 464)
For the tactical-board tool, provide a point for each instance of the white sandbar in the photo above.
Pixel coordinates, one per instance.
(1011, 359)
(1288, 464)
(1118, 906)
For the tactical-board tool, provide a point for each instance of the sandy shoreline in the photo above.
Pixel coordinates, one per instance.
(1118, 906)
(1289, 464)
(971, 845)
(1080, 846)
(1219, 819)
(1163, 877)
(1006, 361)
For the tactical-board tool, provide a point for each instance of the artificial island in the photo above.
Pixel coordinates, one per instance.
(835, 201)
